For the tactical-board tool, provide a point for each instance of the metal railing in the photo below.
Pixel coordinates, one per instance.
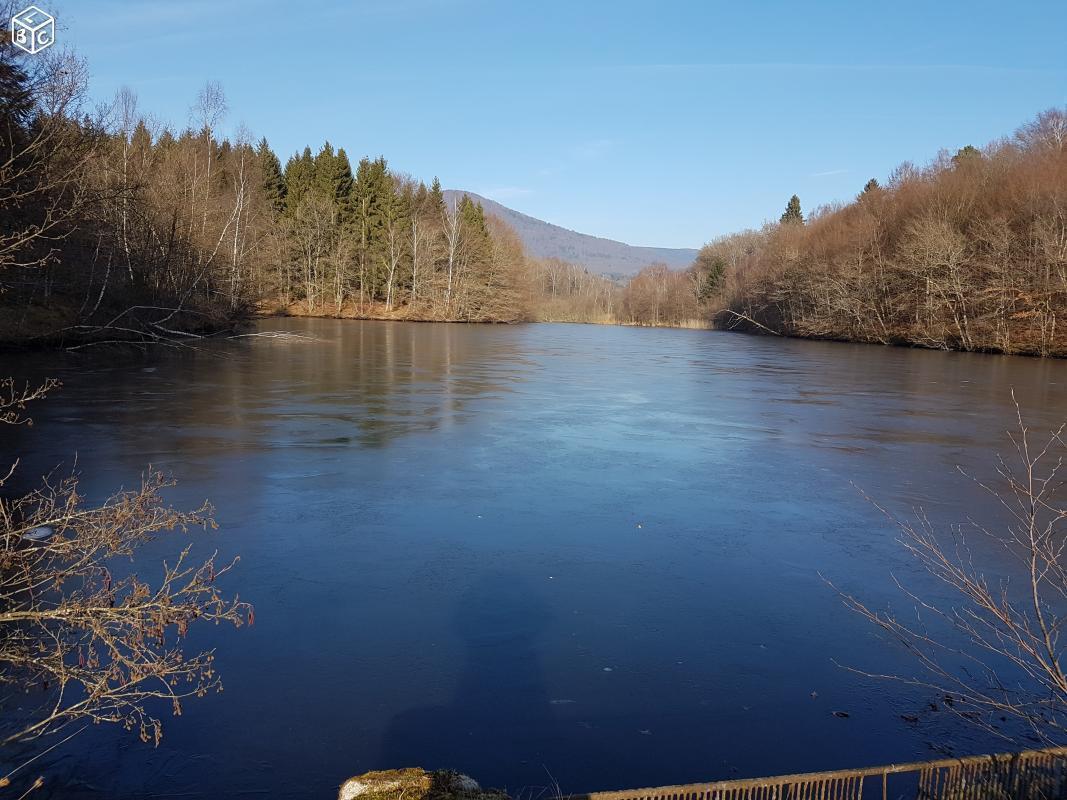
(1030, 775)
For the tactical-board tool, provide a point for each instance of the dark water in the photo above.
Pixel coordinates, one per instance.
(573, 554)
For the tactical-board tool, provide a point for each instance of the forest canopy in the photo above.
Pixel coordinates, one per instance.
(968, 253)
(116, 228)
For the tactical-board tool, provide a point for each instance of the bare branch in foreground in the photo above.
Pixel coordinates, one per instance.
(83, 638)
(1011, 665)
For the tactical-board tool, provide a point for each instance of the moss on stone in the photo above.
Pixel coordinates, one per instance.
(415, 784)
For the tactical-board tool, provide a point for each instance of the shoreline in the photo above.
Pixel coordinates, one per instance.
(43, 328)
(708, 325)
(376, 312)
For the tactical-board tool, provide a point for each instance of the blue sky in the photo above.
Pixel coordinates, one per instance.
(655, 123)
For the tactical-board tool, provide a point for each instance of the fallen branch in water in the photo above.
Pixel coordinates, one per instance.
(283, 335)
(748, 319)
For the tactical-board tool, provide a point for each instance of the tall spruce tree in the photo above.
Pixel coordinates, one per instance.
(273, 180)
(479, 246)
(299, 178)
(420, 197)
(396, 212)
(793, 215)
(870, 189)
(371, 190)
(322, 180)
(437, 200)
(333, 175)
(141, 140)
(343, 180)
(967, 155)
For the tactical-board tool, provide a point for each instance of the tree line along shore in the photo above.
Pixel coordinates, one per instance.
(117, 228)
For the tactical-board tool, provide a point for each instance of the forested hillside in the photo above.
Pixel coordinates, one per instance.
(118, 229)
(968, 253)
(370, 242)
(108, 232)
(112, 228)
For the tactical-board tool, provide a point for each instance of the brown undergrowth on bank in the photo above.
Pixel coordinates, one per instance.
(967, 253)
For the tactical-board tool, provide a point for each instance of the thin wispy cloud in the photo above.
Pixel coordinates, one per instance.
(155, 21)
(584, 151)
(828, 173)
(153, 12)
(148, 14)
(777, 66)
(594, 148)
(504, 192)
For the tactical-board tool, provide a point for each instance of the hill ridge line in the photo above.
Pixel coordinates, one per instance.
(598, 254)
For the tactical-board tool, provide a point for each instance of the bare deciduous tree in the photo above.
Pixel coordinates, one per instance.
(996, 651)
(83, 638)
(969, 253)
(453, 234)
(44, 156)
(658, 295)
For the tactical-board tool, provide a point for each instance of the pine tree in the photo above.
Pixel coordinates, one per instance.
(21, 197)
(141, 146)
(473, 216)
(299, 178)
(272, 179)
(478, 241)
(967, 155)
(141, 140)
(371, 190)
(871, 189)
(437, 200)
(710, 271)
(16, 94)
(333, 177)
(793, 215)
(343, 180)
(324, 171)
(396, 210)
(420, 197)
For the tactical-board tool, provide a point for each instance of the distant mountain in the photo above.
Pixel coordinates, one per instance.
(604, 256)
